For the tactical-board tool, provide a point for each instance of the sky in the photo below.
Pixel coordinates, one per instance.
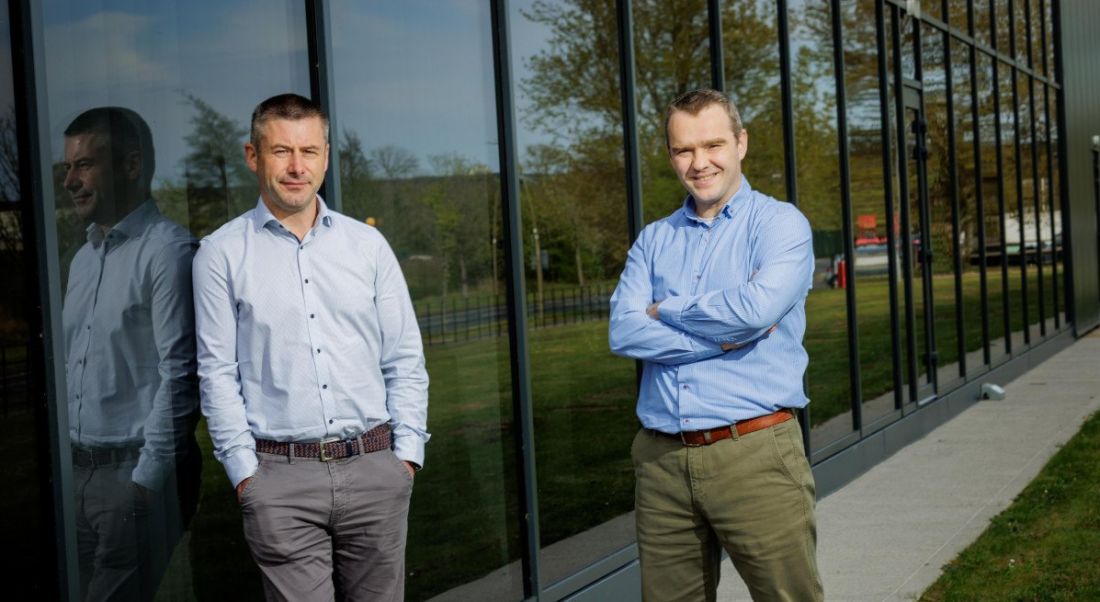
(413, 73)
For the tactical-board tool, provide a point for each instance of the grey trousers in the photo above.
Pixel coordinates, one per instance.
(329, 530)
(124, 539)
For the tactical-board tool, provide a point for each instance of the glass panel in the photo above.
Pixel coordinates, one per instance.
(1014, 221)
(813, 86)
(957, 15)
(575, 242)
(1048, 27)
(1002, 25)
(1058, 269)
(969, 203)
(752, 78)
(991, 184)
(870, 225)
(24, 517)
(931, 8)
(1039, 58)
(672, 56)
(941, 207)
(425, 173)
(1033, 239)
(134, 188)
(1021, 30)
(982, 24)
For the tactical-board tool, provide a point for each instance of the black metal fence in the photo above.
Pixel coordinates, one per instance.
(459, 319)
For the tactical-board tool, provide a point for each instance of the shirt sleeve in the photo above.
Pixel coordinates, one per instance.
(632, 333)
(744, 313)
(171, 420)
(219, 377)
(402, 360)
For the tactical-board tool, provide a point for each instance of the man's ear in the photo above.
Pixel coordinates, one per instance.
(251, 155)
(131, 165)
(743, 143)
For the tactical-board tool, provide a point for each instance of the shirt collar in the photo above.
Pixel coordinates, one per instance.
(743, 192)
(262, 216)
(130, 226)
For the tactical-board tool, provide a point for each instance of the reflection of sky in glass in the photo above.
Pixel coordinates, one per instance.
(147, 55)
(417, 75)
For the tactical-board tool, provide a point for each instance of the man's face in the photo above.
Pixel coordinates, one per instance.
(707, 155)
(290, 163)
(90, 178)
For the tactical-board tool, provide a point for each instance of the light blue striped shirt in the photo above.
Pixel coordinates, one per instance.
(724, 282)
(305, 341)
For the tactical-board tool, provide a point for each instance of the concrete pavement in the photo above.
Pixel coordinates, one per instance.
(886, 535)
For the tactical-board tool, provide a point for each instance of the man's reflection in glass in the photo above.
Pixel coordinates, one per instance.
(130, 343)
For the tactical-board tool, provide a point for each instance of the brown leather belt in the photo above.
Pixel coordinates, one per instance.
(744, 427)
(376, 439)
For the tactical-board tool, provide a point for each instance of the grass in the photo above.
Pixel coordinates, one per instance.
(1045, 545)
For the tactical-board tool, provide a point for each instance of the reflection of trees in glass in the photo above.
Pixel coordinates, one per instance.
(12, 323)
(439, 224)
(219, 185)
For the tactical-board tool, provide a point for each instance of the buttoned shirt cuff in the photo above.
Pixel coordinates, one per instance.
(670, 311)
(409, 448)
(241, 465)
(150, 472)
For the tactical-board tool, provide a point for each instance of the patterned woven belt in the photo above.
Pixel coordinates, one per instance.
(376, 439)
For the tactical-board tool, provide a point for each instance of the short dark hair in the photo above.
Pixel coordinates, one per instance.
(285, 106)
(126, 132)
(694, 101)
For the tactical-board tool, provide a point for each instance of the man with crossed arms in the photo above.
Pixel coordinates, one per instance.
(712, 300)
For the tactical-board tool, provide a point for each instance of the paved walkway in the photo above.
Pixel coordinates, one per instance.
(886, 535)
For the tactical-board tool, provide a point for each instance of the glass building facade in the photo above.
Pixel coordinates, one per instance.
(509, 151)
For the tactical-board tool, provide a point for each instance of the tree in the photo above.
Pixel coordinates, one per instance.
(219, 183)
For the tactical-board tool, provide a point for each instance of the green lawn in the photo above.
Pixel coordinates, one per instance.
(1045, 546)
(465, 512)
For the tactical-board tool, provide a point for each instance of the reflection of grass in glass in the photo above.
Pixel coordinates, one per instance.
(464, 517)
(827, 342)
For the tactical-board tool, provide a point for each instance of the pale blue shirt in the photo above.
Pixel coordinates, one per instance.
(305, 341)
(724, 282)
(130, 341)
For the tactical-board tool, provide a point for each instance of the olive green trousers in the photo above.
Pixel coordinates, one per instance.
(751, 495)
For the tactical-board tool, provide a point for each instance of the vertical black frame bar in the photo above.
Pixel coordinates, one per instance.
(903, 196)
(1047, 70)
(1063, 190)
(979, 193)
(319, 49)
(999, 154)
(846, 215)
(1035, 192)
(930, 358)
(783, 32)
(888, 185)
(631, 160)
(522, 408)
(717, 59)
(1015, 83)
(59, 579)
(953, 174)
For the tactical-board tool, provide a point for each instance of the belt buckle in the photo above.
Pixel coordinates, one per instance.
(688, 444)
(324, 456)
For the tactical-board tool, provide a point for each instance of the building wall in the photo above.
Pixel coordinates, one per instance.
(509, 151)
(1081, 81)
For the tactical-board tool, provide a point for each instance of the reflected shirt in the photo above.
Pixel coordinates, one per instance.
(304, 341)
(130, 341)
(727, 281)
